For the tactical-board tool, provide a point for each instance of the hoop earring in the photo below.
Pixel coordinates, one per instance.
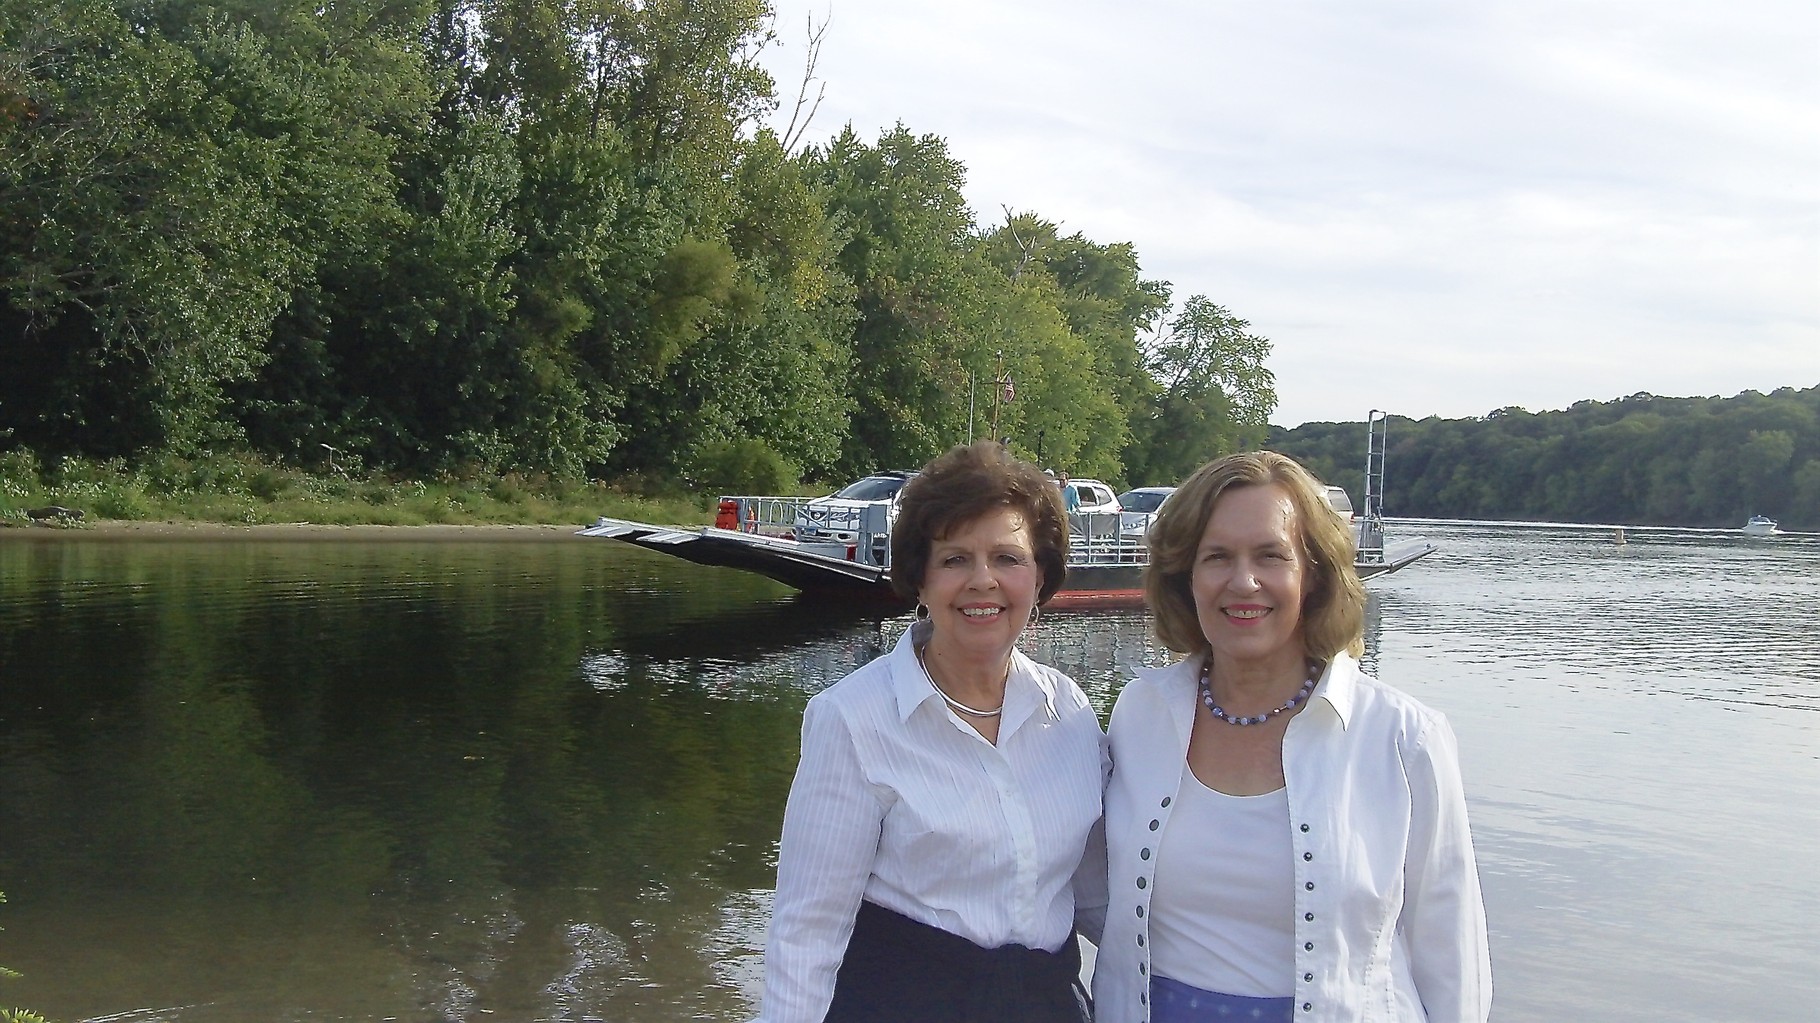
(1036, 614)
(922, 611)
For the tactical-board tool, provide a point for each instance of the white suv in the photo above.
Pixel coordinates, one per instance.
(1096, 510)
(1093, 497)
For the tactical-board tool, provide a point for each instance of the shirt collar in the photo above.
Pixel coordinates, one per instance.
(908, 683)
(1177, 679)
(1026, 691)
(1339, 686)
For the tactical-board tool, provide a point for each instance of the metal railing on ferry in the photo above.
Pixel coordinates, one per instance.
(853, 534)
(862, 534)
(1107, 538)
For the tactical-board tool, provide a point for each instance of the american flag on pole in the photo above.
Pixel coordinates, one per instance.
(1006, 391)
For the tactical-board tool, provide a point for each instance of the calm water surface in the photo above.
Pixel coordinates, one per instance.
(252, 781)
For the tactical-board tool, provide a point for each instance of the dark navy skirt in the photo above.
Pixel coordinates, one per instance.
(1172, 1001)
(897, 970)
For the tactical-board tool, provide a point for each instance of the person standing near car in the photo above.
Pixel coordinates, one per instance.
(948, 797)
(1071, 496)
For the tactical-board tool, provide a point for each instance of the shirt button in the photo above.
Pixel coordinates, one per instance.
(1308, 916)
(1308, 977)
(1309, 886)
(1144, 855)
(1142, 969)
(1143, 999)
(1155, 824)
(1304, 829)
(1308, 946)
(1140, 941)
(1141, 882)
(1140, 912)
(1167, 800)
(1307, 856)
(1306, 1006)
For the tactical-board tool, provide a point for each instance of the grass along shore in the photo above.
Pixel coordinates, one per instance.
(170, 496)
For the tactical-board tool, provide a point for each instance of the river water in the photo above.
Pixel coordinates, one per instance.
(269, 781)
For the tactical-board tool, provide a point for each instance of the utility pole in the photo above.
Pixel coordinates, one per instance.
(969, 406)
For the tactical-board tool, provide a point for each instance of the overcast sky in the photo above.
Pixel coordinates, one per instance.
(1432, 207)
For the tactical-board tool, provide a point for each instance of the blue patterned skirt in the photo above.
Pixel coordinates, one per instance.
(1172, 1001)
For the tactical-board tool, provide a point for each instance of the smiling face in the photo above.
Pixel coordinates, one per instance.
(1249, 577)
(980, 584)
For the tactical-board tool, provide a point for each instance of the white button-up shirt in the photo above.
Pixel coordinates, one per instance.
(1389, 922)
(899, 802)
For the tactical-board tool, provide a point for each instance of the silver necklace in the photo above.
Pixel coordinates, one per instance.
(951, 701)
(1256, 719)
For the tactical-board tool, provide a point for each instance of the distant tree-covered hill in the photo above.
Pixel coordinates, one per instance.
(1641, 459)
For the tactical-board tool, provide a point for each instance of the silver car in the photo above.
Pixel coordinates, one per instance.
(1138, 508)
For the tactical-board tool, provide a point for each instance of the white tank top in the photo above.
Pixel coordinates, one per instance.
(1222, 917)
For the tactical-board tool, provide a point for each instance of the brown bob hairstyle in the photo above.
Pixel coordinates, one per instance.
(1333, 598)
(963, 484)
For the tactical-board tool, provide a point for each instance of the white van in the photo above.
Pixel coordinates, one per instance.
(1339, 502)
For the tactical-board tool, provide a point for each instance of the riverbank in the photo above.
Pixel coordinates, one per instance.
(307, 532)
(236, 494)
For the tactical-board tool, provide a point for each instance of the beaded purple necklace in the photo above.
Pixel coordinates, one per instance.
(1257, 719)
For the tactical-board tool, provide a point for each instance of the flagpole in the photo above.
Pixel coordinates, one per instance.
(998, 395)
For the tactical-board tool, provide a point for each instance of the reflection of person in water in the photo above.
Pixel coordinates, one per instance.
(946, 792)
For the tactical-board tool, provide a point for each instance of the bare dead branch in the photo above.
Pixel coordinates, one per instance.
(799, 122)
(1028, 248)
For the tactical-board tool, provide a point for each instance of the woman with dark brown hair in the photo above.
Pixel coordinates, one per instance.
(1287, 835)
(947, 790)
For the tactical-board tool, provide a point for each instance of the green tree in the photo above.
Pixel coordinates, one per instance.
(1217, 395)
(1106, 304)
(1640, 459)
(913, 347)
(177, 174)
(777, 371)
(1764, 466)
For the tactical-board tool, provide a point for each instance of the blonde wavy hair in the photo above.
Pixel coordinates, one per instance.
(1333, 598)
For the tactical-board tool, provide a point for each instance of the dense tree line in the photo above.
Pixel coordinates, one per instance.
(542, 236)
(1640, 460)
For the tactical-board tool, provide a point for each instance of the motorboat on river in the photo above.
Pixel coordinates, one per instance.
(1759, 525)
(847, 553)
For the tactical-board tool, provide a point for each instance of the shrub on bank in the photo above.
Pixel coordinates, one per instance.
(244, 489)
(744, 466)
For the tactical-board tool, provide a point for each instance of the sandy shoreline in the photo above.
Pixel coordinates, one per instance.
(114, 529)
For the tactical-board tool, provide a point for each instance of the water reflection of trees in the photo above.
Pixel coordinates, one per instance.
(526, 781)
(283, 741)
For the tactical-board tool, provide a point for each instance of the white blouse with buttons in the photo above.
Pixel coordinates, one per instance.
(899, 802)
(1388, 921)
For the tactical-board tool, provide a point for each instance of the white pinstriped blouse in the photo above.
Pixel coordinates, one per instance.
(899, 802)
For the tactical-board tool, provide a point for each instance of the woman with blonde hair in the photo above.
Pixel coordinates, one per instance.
(1287, 836)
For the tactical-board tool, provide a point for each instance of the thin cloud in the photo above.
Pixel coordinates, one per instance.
(1436, 208)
